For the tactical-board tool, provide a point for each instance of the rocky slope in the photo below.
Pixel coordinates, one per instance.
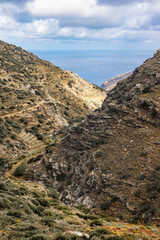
(111, 83)
(111, 161)
(37, 99)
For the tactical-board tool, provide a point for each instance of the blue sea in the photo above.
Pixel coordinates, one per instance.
(96, 66)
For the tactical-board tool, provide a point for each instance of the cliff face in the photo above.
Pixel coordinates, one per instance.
(111, 161)
(37, 99)
(111, 83)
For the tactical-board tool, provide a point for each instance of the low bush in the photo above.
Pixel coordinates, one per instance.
(16, 235)
(53, 193)
(43, 202)
(99, 154)
(97, 222)
(62, 237)
(39, 237)
(20, 170)
(48, 220)
(15, 213)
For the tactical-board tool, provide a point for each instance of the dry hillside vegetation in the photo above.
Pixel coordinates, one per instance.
(30, 211)
(37, 99)
(111, 161)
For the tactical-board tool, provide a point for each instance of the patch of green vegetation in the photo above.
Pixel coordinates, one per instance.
(97, 222)
(20, 170)
(35, 159)
(48, 220)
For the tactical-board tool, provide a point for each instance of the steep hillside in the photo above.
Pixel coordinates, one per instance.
(37, 99)
(111, 83)
(111, 161)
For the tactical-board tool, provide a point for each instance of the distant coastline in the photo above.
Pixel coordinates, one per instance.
(109, 84)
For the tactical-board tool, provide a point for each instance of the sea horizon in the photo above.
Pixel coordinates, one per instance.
(95, 66)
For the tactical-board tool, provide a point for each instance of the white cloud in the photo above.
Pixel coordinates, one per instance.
(134, 15)
(63, 8)
(41, 27)
(7, 22)
(81, 19)
(77, 10)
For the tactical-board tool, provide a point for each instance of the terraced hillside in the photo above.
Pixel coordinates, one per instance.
(111, 161)
(37, 99)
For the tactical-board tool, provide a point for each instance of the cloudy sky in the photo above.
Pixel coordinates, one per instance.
(81, 24)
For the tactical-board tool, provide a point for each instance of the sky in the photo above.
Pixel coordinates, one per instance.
(81, 24)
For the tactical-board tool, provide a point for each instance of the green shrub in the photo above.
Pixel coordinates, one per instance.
(20, 170)
(99, 154)
(70, 83)
(39, 210)
(24, 120)
(3, 186)
(145, 104)
(23, 191)
(7, 219)
(39, 237)
(105, 205)
(44, 202)
(62, 237)
(13, 136)
(5, 203)
(53, 193)
(48, 213)
(137, 193)
(99, 232)
(116, 238)
(62, 207)
(66, 113)
(35, 159)
(86, 216)
(12, 107)
(129, 97)
(15, 235)
(147, 89)
(141, 177)
(97, 222)
(103, 231)
(14, 213)
(30, 233)
(39, 136)
(48, 220)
